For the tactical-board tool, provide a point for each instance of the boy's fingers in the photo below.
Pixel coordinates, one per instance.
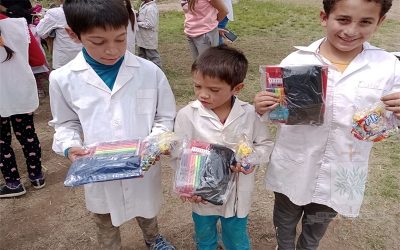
(248, 171)
(393, 96)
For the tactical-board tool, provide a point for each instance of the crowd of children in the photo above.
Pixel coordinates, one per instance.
(100, 91)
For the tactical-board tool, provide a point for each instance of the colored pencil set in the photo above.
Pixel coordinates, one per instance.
(189, 173)
(117, 147)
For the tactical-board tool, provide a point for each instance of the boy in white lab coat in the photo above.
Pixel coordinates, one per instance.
(105, 94)
(319, 171)
(218, 116)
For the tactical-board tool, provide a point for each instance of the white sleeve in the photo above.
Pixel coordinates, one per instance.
(166, 105)
(65, 121)
(46, 25)
(262, 141)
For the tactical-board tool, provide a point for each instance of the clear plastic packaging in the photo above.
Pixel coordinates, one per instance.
(301, 91)
(205, 170)
(154, 146)
(106, 162)
(374, 123)
(245, 153)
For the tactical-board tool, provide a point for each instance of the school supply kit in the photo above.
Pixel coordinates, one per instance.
(301, 91)
(205, 170)
(118, 160)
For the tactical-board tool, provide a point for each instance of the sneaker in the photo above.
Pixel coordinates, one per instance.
(7, 192)
(160, 243)
(38, 183)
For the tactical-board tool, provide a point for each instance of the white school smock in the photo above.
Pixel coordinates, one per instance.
(327, 164)
(64, 48)
(196, 122)
(147, 20)
(140, 103)
(18, 92)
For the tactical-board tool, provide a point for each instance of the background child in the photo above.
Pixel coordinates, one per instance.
(218, 116)
(224, 22)
(147, 36)
(319, 171)
(106, 93)
(18, 100)
(64, 48)
(201, 23)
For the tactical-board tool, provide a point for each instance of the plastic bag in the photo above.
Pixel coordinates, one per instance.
(106, 162)
(157, 145)
(374, 123)
(245, 153)
(301, 92)
(205, 170)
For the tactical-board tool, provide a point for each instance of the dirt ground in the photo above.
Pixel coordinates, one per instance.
(55, 217)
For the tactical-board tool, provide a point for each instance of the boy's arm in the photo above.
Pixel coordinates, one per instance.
(222, 10)
(166, 106)
(46, 25)
(65, 121)
(149, 21)
(262, 141)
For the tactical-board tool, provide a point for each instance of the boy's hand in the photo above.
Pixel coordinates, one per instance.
(265, 102)
(238, 168)
(75, 152)
(392, 102)
(248, 171)
(193, 199)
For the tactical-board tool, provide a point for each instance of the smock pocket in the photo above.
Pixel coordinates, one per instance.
(369, 92)
(146, 101)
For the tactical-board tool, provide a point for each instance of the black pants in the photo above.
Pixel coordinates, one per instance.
(24, 130)
(315, 221)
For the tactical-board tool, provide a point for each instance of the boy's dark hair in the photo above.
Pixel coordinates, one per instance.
(225, 63)
(329, 5)
(84, 15)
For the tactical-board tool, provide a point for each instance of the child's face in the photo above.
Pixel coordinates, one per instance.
(105, 46)
(350, 24)
(214, 93)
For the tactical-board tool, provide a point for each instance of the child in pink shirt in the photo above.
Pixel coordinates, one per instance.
(201, 23)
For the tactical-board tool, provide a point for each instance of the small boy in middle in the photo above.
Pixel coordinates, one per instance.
(147, 35)
(218, 116)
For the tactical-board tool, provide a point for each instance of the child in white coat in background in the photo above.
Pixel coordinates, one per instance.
(53, 23)
(147, 35)
(105, 94)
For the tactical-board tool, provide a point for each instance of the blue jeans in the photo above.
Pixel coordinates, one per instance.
(234, 232)
(222, 25)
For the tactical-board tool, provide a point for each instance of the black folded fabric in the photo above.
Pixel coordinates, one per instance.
(103, 168)
(304, 94)
(216, 175)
